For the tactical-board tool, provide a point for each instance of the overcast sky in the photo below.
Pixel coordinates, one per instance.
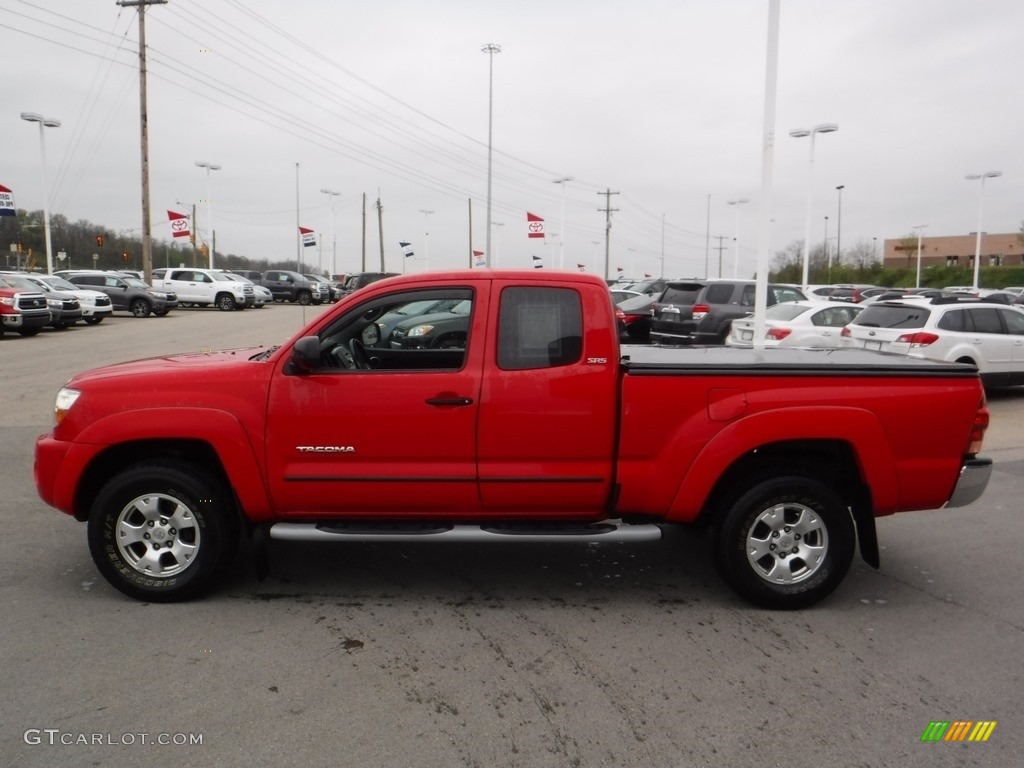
(661, 101)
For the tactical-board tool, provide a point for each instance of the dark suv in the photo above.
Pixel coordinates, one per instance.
(701, 312)
(363, 279)
(128, 294)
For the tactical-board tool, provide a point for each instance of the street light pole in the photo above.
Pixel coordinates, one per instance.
(981, 202)
(561, 233)
(426, 238)
(800, 133)
(331, 194)
(919, 227)
(839, 225)
(490, 49)
(828, 254)
(47, 122)
(736, 235)
(209, 205)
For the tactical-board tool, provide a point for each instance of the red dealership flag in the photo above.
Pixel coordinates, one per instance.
(478, 256)
(308, 237)
(534, 225)
(179, 224)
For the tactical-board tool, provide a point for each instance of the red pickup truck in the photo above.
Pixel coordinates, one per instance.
(497, 406)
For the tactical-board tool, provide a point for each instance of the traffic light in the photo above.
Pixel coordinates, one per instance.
(125, 256)
(99, 241)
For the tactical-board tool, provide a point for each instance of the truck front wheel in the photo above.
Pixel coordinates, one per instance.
(162, 532)
(226, 302)
(305, 297)
(786, 542)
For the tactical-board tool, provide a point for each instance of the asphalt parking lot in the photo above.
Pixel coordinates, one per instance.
(532, 656)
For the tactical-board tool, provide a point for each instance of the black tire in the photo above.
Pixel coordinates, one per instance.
(305, 298)
(785, 543)
(93, 320)
(29, 331)
(160, 312)
(226, 302)
(140, 308)
(171, 506)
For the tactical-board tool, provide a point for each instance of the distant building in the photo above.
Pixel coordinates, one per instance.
(997, 250)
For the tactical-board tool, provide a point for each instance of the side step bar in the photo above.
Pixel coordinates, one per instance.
(607, 531)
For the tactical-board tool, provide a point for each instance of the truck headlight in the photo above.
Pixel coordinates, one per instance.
(65, 399)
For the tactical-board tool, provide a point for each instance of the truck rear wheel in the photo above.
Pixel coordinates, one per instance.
(162, 532)
(786, 542)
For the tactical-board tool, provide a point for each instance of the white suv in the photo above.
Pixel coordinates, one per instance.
(203, 287)
(952, 329)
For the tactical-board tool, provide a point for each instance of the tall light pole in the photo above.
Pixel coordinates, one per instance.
(828, 253)
(497, 242)
(490, 49)
(426, 238)
(561, 231)
(44, 122)
(981, 202)
(736, 235)
(209, 205)
(919, 227)
(839, 224)
(331, 194)
(800, 133)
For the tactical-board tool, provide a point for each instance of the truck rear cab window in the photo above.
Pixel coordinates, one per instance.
(539, 328)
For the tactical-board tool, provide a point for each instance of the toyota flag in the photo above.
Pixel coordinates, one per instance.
(179, 224)
(534, 225)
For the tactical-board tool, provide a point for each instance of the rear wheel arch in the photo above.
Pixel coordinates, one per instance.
(832, 462)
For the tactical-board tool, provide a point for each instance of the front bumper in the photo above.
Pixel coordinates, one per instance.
(24, 321)
(973, 480)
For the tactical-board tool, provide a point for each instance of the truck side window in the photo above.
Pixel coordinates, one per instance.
(412, 331)
(539, 328)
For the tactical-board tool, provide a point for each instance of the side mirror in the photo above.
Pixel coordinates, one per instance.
(306, 354)
(371, 335)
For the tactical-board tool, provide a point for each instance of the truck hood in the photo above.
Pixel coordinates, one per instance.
(191, 364)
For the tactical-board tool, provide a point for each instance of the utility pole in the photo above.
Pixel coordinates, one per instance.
(364, 233)
(720, 248)
(147, 230)
(298, 225)
(470, 232)
(607, 227)
(380, 229)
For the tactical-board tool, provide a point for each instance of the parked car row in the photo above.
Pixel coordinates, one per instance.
(694, 311)
(31, 302)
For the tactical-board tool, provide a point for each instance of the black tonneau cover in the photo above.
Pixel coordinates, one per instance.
(743, 361)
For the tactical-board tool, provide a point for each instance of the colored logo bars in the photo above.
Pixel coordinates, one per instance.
(958, 730)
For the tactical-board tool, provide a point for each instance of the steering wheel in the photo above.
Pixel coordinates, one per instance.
(360, 357)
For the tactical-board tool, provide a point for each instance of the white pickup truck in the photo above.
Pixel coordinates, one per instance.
(204, 287)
